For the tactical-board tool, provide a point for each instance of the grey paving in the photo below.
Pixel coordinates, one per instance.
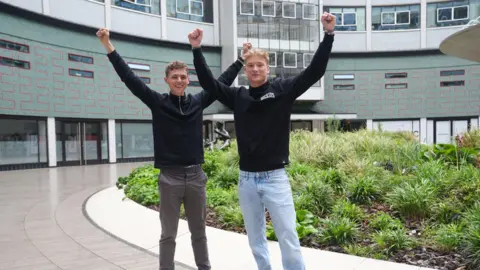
(43, 225)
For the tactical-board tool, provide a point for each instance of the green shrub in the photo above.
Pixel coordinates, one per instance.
(359, 190)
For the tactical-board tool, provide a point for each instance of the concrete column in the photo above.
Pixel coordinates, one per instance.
(368, 23)
(369, 124)
(112, 143)
(46, 7)
(423, 130)
(52, 142)
(163, 14)
(216, 24)
(423, 23)
(108, 14)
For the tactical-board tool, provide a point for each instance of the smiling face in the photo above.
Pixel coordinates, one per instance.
(256, 67)
(176, 76)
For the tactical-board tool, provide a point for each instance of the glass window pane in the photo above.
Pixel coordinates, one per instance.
(118, 139)
(19, 141)
(349, 19)
(460, 13)
(268, 8)
(403, 17)
(183, 6)
(137, 140)
(196, 8)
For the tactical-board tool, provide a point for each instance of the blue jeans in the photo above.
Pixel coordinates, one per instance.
(270, 189)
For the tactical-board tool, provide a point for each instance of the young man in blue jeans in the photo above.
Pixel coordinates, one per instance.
(262, 123)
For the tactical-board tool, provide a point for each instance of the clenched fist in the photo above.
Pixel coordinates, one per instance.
(195, 37)
(103, 35)
(328, 21)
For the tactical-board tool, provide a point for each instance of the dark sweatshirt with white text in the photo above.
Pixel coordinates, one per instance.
(262, 114)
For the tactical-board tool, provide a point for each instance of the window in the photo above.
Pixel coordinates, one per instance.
(147, 6)
(452, 83)
(268, 8)
(307, 59)
(80, 73)
(247, 7)
(134, 140)
(23, 141)
(14, 46)
(348, 19)
(344, 87)
(289, 10)
(194, 84)
(459, 72)
(191, 7)
(451, 13)
(289, 60)
(191, 10)
(309, 12)
(395, 86)
(448, 14)
(79, 58)
(145, 80)
(343, 77)
(395, 75)
(272, 56)
(139, 66)
(9, 62)
(396, 17)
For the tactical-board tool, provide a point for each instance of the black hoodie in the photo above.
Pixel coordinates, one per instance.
(262, 114)
(177, 120)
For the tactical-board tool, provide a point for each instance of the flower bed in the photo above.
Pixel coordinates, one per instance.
(372, 194)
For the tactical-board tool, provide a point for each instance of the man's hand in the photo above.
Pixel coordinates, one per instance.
(103, 35)
(195, 37)
(246, 47)
(328, 21)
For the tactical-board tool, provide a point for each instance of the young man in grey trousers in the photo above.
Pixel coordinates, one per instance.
(177, 120)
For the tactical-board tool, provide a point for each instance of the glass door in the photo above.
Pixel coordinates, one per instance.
(81, 143)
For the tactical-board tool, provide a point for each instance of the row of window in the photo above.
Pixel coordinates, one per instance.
(194, 10)
(288, 59)
(279, 9)
(399, 17)
(443, 73)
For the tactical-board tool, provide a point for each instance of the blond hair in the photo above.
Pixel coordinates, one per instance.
(257, 52)
(175, 65)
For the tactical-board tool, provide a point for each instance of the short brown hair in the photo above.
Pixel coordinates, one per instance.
(175, 65)
(257, 52)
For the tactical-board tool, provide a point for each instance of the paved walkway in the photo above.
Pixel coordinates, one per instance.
(43, 225)
(228, 250)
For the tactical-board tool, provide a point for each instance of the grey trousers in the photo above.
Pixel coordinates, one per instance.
(185, 185)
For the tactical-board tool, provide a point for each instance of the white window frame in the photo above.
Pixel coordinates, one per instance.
(135, 2)
(253, 7)
(314, 14)
(284, 64)
(343, 18)
(344, 76)
(294, 9)
(304, 65)
(453, 13)
(189, 8)
(274, 53)
(395, 12)
(136, 66)
(274, 8)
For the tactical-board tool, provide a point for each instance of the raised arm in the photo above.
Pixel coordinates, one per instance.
(132, 81)
(299, 84)
(213, 87)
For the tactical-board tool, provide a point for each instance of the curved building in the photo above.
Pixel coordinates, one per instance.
(62, 104)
